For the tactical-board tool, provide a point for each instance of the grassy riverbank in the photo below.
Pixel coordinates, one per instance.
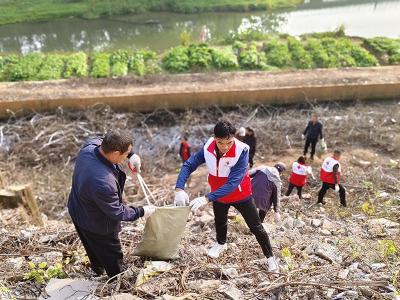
(239, 52)
(39, 10)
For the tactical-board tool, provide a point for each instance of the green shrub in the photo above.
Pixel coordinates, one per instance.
(24, 67)
(100, 65)
(386, 46)
(394, 58)
(319, 55)
(177, 60)
(339, 54)
(238, 46)
(119, 61)
(362, 57)
(278, 53)
(224, 59)
(119, 69)
(76, 65)
(7, 62)
(200, 56)
(382, 44)
(251, 59)
(52, 67)
(300, 57)
(144, 62)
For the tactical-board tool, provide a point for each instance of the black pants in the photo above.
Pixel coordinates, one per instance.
(313, 143)
(262, 214)
(326, 186)
(249, 212)
(291, 187)
(251, 159)
(104, 251)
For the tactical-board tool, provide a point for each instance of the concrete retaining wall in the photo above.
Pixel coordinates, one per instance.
(201, 97)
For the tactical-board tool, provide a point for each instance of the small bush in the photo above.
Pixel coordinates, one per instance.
(177, 60)
(200, 56)
(382, 44)
(224, 59)
(100, 65)
(251, 59)
(52, 67)
(300, 57)
(394, 58)
(185, 38)
(319, 55)
(76, 65)
(338, 52)
(278, 54)
(6, 62)
(24, 67)
(119, 61)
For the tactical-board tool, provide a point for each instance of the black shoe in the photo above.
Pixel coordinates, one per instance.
(98, 270)
(312, 157)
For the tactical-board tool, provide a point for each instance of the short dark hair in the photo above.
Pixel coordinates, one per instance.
(301, 159)
(116, 141)
(224, 129)
(337, 152)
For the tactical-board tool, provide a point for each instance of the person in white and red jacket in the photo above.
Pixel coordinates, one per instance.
(227, 160)
(330, 176)
(298, 177)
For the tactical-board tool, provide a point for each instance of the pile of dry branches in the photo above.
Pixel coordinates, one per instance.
(41, 149)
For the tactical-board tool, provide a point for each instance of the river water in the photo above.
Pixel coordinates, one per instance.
(159, 31)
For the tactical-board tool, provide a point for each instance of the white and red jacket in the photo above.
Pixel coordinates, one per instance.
(327, 174)
(298, 177)
(219, 170)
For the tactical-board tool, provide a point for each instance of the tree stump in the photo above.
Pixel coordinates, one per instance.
(21, 195)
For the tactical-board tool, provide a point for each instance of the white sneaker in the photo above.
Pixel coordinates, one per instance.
(216, 250)
(272, 265)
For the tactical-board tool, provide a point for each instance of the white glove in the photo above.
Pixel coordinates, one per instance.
(277, 217)
(337, 188)
(197, 203)
(148, 211)
(134, 163)
(302, 137)
(181, 198)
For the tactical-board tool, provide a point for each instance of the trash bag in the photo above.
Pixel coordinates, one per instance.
(163, 233)
(321, 148)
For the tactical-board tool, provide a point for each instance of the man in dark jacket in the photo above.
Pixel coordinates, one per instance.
(312, 132)
(95, 201)
(251, 141)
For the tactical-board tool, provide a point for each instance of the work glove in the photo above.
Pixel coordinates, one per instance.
(277, 217)
(148, 211)
(134, 163)
(181, 198)
(302, 137)
(337, 188)
(197, 203)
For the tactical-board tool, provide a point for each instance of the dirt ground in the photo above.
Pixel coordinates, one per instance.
(325, 252)
(159, 84)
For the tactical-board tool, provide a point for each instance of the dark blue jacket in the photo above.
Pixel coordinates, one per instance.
(95, 201)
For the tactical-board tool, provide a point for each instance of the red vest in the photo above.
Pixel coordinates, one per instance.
(218, 171)
(185, 151)
(326, 173)
(298, 177)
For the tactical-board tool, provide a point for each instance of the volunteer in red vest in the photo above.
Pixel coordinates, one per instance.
(330, 177)
(184, 150)
(227, 160)
(298, 177)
